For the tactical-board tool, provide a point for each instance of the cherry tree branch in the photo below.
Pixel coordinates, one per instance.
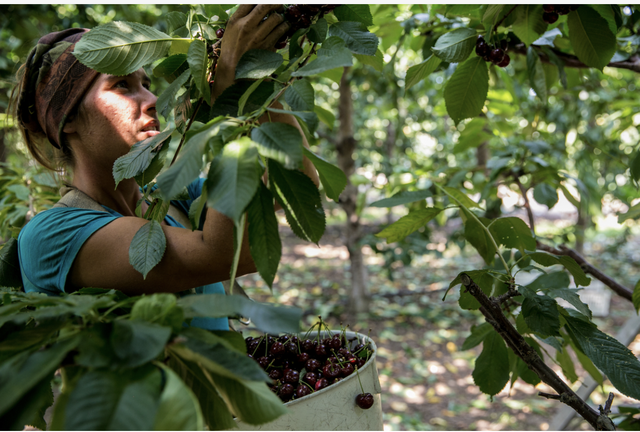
(527, 205)
(619, 289)
(491, 309)
(632, 64)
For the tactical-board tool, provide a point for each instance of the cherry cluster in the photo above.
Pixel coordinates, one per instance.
(301, 366)
(301, 16)
(553, 11)
(492, 53)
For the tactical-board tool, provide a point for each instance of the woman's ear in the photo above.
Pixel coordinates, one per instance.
(70, 126)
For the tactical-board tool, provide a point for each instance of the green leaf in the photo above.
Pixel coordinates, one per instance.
(120, 48)
(279, 141)
(403, 197)
(170, 67)
(375, 61)
(196, 209)
(268, 318)
(491, 16)
(478, 334)
(158, 308)
(189, 164)
(156, 165)
(553, 280)
(635, 167)
(300, 200)
(25, 370)
(466, 90)
(541, 313)
(636, 297)
(566, 363)
(512, 232)
(218, 358)
(215, 412)
(139, 402)
(233, 178)
(147, 247)
(537, 78)
(333, 54)
(238, 236)
(545, 194)
(264, 238)
(475, 234)
(199, 65)
(176, 20)
(309, 118)
(10, 275)
(318, 31)
(333, 179)
(473, 135)
(356, 36)
(93, 401)
(460, 198)
(456, 46)
(31, 408)
(167, 100)
(138, 342)
(548, 37)
(179, 408)
(139, 157)
(418, 72)
(632, 213)
(258, 63)
(529, 25)
(325, 116)
(587, 364)
(569, 263)
(408, 224)
(251, 401)
(354, 12)
(590, 37)
(300, 96)
(491, 372)
(615, 360)
(571, 296)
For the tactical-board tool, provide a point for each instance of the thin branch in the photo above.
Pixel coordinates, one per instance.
(492, 311)
(632, 64)
(495, 27)
(184, 135)
(527, 204)
(621, 290)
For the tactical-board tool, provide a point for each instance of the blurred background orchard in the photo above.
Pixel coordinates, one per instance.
(586, 134)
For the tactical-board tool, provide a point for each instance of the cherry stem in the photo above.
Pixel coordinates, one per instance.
(358, 374)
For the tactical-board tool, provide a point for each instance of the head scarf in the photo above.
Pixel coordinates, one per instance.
(55, 83)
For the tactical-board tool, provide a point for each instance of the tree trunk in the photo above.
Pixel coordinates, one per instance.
(358, 295)
(482, 156)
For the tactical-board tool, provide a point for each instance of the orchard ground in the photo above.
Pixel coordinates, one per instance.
(426, 380)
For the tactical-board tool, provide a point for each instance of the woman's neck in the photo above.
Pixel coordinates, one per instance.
(101, 187)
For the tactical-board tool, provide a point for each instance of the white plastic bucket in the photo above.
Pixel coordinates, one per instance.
(334, 407)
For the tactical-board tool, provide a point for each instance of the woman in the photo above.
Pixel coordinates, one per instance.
(95, 118)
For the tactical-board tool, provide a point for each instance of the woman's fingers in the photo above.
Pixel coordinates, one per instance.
(241, 12)
(259, 12)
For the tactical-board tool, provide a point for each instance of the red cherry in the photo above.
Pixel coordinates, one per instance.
(286, 391)
(496, 55)
(312, 364)
(291, 376)
(346, 370)
(275, 374)
(548, 7)
(219, 33)
(482, 48)
(321, 383)
(311, 378)
(364, 400)
(505, 61)
(302, 391)
(276, 349)
(550, 17)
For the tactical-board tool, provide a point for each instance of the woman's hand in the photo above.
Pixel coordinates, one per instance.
(245, 31)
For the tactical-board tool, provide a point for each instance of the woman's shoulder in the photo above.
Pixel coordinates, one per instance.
(62, 219)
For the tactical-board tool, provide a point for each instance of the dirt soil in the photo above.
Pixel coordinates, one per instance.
(426, 380)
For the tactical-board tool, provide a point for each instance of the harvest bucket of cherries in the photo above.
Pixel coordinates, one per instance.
(321, 371)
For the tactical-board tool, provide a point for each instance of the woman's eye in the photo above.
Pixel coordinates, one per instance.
(147, 86)
(122, 84)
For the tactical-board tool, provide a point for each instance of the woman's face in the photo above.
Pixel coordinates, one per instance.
(116, 113)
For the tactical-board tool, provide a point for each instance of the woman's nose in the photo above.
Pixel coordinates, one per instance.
(149, 102)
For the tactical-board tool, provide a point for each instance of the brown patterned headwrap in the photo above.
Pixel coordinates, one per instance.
(55, 83)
